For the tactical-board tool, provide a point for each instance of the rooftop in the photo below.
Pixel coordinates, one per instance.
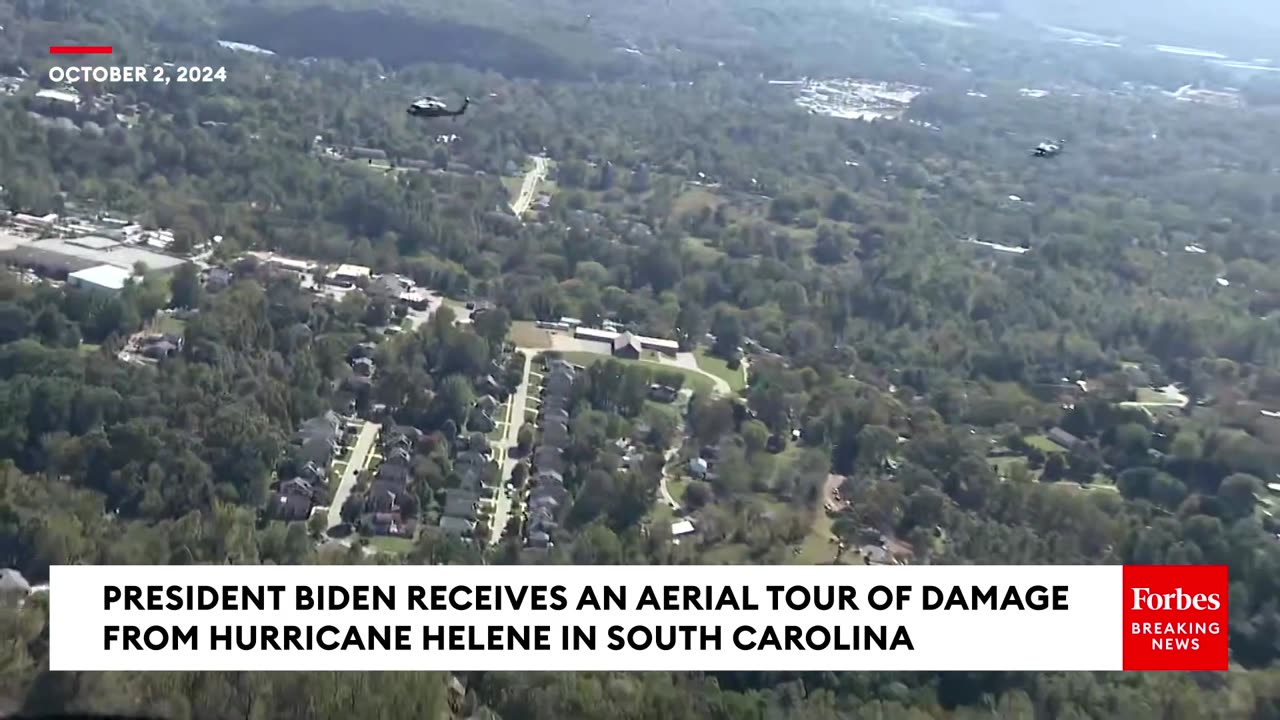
(354, 271)
(59, 96)
(103, 276)
(85, 251)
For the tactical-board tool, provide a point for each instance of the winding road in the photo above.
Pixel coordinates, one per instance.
(529, 188)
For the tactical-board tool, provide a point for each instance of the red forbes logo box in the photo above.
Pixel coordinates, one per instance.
(1175, 617)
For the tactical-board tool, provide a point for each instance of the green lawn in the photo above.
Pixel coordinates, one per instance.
(730, 554)
(720, 368)
(678, 489)
(697, 381)
(89, 348)
(817, 548)
(1044, 444)
(169, 325)
(662, 514)
(395, 545)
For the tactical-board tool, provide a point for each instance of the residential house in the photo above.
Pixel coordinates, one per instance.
(473, 479)
(487, 404)
(548, 477)
(470, 457)
(556, 434)
(319, 438)
(397, 473)
(389, 523)
(362, 350)
(216, 279)
(546, 455)
(398, 456)
(401, 436)
(461, 503)
(490, 385)
(481, 422)
(290, 507)
(557, 383)
(313, 473)
(382, 499)
(543, 499)
(363, 366)
(472, 442)
(554, 365)
(296, 486)
(557, 404)
(541, 521)
(555, 415)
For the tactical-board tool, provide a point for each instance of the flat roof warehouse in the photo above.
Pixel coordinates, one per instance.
(59, 255)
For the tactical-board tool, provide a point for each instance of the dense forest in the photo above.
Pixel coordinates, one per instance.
(973, 405)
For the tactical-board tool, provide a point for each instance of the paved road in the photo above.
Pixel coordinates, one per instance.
(515, 421)
(359, 460)
(529, 188)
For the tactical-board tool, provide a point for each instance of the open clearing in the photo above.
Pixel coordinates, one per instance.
(720, 368)
(1044, 444)
(527, 334)
(693, 379)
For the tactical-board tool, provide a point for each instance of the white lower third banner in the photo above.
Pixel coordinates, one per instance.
(636, 618)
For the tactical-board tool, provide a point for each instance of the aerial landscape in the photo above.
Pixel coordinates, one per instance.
(712, 282)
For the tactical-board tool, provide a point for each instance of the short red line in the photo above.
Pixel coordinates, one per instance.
(80, 50)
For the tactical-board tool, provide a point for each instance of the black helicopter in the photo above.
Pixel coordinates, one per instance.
(434, 107)
(1047, 150)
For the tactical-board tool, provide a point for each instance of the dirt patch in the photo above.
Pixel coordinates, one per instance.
(831, 500)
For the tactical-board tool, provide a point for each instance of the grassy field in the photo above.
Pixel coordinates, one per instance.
(731, 554)
(698, 382)
(527, 334)
(817, 548)
(716, 366)
(694, 199)
(1044, 444)
(394, 545)
(169, 325)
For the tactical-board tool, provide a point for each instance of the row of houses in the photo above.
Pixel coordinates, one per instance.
(312, 451)
(477, 475)
(547, 497)
(390, 507)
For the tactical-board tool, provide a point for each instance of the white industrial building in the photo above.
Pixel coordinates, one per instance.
(66, 97)
(100, 277)
(667, 347)
(62, 256)
(348, 275)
